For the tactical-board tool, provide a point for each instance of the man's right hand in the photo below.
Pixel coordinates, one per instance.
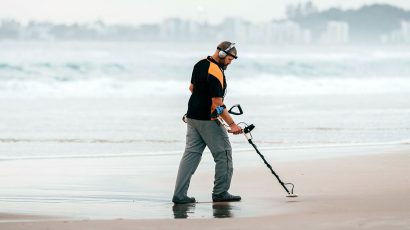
(235, 129)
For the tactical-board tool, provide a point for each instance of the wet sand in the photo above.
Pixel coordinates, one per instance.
(354, 192)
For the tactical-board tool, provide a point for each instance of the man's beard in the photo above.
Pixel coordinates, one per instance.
(222, 65)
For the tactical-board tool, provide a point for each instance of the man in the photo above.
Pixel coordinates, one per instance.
(208, 87)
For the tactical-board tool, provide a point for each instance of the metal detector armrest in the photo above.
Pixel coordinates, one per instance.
(240, 112)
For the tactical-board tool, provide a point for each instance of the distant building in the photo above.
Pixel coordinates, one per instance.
(398, 36)
(301, 9)
(9, 29)
(292, 31)
(173, 29)
(234, 29)
(405, 30)
(259, 32)
(337, 32)
(37, 31)
(287, 32)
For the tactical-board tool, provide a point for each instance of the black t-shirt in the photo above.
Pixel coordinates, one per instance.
(209, 81)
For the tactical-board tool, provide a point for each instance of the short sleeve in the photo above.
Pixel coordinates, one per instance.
(215, 86)
(193, 75)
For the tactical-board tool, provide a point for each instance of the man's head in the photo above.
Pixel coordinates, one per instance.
(225, 53)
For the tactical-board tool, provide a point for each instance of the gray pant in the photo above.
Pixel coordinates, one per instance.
(200, 134)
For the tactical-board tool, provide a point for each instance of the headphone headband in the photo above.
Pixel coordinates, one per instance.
(227, 51)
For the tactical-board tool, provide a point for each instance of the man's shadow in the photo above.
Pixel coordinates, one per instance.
(183, 211)
(219, 210)
(222, 210)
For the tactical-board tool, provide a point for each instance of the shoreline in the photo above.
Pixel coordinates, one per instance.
(348, 192)
(398, 144)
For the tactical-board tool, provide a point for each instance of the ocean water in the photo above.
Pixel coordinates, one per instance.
(70, 98)
(115, 69)
(95, 123)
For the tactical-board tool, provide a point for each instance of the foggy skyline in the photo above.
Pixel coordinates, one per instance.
(154, 11)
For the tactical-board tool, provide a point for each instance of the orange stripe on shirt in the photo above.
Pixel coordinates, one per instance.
(215, 71)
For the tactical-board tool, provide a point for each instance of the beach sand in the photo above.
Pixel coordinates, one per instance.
(353, 192)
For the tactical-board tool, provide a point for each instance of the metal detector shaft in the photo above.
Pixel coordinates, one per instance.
(269, 166)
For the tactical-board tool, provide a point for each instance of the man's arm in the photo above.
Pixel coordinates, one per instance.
(234, 128)
(191, 88)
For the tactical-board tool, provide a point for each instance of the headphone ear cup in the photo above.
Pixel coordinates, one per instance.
(221, 54)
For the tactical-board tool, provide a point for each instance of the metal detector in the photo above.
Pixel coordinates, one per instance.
(247, 129)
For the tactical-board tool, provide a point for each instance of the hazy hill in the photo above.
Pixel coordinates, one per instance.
(365, 24)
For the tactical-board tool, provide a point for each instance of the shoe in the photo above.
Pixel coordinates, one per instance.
(225, 196)
(185, 200)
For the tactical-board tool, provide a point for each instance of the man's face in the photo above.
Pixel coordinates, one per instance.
(226, 61)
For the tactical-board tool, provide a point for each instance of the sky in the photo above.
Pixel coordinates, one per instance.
(154, 11)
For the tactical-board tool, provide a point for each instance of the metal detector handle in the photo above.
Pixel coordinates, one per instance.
(247, 131)
(249, 128)
(236, 113)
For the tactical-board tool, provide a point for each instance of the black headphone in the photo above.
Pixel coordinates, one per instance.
(223, 53)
